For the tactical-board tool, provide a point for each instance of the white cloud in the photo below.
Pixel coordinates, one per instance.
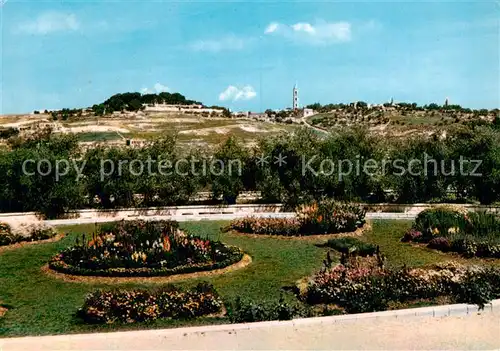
(271, 28)
(157, 88)
(233, 93)
(160, 87)
(50, 22)
(216, 45)
(303, 27)
(319, 33)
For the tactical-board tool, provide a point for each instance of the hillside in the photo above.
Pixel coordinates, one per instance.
(398, 119)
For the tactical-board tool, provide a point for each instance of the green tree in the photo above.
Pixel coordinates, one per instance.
(227, 167)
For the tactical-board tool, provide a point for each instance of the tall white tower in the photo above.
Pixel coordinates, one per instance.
(295, 104)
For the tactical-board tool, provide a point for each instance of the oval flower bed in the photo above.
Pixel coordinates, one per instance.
(143, 249)
(454, 229)
(324, 217)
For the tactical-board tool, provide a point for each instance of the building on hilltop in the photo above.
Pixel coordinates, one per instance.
(306, 112)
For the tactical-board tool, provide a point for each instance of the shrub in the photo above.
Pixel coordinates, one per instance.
(139, 248)
(412, 235)
(352, 245)
(129, 306)
(365, 287)
(474, 289)
(328, 216)
(270, 226)
(485, 225)
(454, 229)
(32, 232)
(440, 219)
(40, 232)
(440, 243)
(6, 236)
(325, 217)
(246, 311)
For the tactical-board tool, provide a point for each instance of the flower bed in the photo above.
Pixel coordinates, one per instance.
(453, 229)
(364, 285)
(325, 217)
(143, 249)
(24, 234)
(129, 306)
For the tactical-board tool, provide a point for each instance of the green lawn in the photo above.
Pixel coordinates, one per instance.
(98, 136)
(39, 304)
(45, 305)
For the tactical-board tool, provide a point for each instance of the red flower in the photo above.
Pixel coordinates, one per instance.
(166, 243)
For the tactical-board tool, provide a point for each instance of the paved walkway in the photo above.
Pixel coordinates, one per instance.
(215, 217)
(472, 332)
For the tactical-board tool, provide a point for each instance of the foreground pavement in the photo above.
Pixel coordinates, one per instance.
(466, 332)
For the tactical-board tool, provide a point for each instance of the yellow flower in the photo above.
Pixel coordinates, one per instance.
(453, 230)
(435, 231)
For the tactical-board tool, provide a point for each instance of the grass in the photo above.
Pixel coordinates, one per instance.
(387, 235)
(41, 305)
(98, 136)
(44, 305)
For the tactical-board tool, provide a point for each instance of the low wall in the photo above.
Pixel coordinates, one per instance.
(197, 213)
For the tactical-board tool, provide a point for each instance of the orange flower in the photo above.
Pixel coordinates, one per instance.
(320, 218)
(166, 243)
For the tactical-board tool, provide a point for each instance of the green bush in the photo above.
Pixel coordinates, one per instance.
(485, 225)
(34, 233)
(246, 311)
(454, 229)
(352, 245)
(441, 218)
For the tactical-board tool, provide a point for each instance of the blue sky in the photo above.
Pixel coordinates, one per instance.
(248, 56)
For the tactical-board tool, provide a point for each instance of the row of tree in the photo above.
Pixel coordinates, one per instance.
(405, 106)
(292, 169)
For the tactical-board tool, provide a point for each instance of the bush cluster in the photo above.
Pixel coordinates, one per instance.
(267, 226)
(29, 233)
(129, 306)
(140, 248)
(243, 311)
(454, 229)
(324, 217)
(368, 287)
